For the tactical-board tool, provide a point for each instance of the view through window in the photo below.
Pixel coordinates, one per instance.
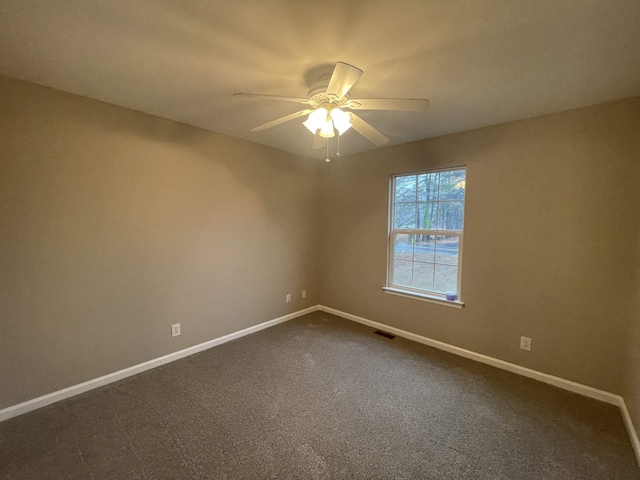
(426, 234)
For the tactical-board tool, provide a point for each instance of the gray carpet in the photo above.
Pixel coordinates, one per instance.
(320, 398)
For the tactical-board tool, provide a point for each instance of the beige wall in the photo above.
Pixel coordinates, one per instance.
(631, 391)
(550, 233)
(115, 224)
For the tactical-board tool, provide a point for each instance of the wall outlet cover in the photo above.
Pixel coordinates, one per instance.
(525, 343)
(175, 330)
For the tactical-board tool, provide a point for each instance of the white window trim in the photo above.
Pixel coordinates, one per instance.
(425, 297)
(409, 292)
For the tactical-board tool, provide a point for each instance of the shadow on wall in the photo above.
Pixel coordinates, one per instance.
(258, 167)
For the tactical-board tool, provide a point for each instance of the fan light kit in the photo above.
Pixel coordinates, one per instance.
(328, 101)
(326, 120)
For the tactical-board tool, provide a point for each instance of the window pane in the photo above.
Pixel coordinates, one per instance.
(428, 187)
(402, 274)
(430, 202)
(424, 248)
(406, 189)
(427, 214)
(447, 250)
(405, 215)
(446, 279)
(450, 215)
(452, 185)
(423, 276)
(403, 246)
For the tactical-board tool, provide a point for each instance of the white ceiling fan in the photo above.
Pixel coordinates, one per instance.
(327, 101)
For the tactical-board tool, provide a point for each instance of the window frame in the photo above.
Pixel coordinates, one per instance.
(412, 292)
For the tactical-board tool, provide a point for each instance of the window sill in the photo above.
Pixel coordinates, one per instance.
(425, 297)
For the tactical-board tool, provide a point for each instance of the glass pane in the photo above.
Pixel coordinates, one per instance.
(427, 213)
(452, 185)
(423, 276)
(402, 274)
(424, 248)
(405, 215)
(447, 250)
(406, 189)
(428, 187)
(403, 246)
(446, 279)
(450, 215)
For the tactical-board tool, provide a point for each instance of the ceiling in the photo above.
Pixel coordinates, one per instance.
(479, 62)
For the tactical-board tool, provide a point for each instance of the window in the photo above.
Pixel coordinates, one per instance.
(426, 233)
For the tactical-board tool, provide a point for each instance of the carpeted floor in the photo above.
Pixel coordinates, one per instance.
(320, 398)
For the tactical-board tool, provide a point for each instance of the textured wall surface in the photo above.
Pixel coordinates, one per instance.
(116, 224)
(550, 233)
(631, 392)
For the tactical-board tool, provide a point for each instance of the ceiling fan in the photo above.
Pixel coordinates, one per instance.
(327, 101)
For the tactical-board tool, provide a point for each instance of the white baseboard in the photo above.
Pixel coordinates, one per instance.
(633, 435)
(478, 357)
(579, 388)
(39, 402)
(48, 399)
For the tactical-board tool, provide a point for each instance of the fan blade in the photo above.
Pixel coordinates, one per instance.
(343, 78)
(280, 120)
(273, 97)
(367, 131)
(318, 141)
(405, 104)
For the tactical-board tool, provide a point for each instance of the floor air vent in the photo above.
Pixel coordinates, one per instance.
(384, 334)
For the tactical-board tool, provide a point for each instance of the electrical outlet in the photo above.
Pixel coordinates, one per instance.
(288, 298)
(175, 330)
(525, 343)
(304, 294)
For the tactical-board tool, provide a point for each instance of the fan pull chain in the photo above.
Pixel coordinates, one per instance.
(338, 152)
(327, 159)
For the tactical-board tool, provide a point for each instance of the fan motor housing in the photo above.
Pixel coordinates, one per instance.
(318, 95)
